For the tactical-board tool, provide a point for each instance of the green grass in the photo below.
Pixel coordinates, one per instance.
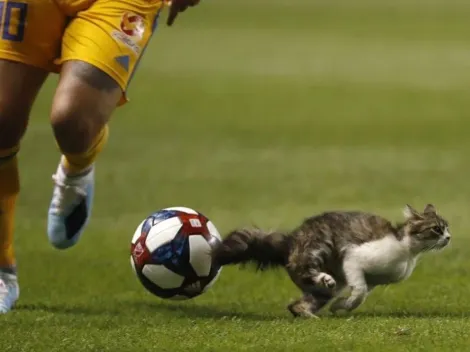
(267, 112)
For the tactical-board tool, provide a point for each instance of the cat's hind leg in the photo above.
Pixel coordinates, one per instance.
(309, 304)
(318, 288)
(312, 279)
(306, 269)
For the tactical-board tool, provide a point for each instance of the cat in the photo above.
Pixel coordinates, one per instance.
(338, 249)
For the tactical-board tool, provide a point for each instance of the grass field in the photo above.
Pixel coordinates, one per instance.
(267, 112)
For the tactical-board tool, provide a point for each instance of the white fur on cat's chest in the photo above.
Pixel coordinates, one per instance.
(386, 258)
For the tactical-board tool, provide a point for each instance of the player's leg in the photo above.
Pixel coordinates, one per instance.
(30, 32)
(82, 106)
(101, 47)
(19, 85)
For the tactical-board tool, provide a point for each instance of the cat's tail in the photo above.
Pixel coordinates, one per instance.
(245, 246)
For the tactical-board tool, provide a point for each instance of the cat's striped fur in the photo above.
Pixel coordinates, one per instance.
(339, 249)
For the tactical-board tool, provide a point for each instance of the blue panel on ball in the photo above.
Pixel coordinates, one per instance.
(147, 225)
(170, 252)
(174, 255)
(157, 217)
(164, 215)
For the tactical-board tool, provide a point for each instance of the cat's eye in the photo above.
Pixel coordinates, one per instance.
(437, 230)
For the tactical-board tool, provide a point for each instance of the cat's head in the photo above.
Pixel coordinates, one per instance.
(427, 230)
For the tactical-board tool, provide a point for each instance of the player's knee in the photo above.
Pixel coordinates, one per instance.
(75, 126)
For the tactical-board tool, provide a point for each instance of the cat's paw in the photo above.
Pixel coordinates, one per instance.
(325, 280)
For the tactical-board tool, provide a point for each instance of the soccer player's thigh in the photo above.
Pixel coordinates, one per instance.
(30, 34)
(19, 85)
(101, 48)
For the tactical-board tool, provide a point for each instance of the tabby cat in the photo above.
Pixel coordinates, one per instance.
(335, 250)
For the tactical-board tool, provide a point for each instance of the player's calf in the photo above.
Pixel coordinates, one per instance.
(9, 190)
(72, 198)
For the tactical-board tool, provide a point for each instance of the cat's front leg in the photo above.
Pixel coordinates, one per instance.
(359, 289)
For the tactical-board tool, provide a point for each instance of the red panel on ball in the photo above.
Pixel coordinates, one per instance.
(140, 252)
(194, 224)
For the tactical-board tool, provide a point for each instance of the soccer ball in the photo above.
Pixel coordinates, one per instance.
(171, 253)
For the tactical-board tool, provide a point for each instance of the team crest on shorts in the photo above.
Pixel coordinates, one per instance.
(131, 31)
(133, 25)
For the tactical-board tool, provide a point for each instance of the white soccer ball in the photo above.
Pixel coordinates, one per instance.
(171, 253)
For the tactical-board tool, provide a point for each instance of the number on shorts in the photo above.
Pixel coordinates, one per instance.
(8, 11)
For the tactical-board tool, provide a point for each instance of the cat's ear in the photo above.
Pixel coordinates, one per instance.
(410, 213)
(430, 209)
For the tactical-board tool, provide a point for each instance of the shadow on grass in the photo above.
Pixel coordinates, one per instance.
(176, 309)
(414, 315)
(67, 309)
(212, 312)
(206, 311)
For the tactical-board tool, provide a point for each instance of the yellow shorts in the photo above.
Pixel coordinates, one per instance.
(109, 34)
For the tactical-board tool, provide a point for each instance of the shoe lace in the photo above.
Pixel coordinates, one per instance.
(65, 195)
